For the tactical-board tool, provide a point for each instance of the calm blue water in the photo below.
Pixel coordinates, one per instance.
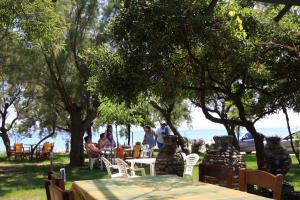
(206, 134)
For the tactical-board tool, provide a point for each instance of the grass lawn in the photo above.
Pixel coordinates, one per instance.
(25, 179)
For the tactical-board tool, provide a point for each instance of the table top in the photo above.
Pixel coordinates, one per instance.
(142, 160)
(155, 187)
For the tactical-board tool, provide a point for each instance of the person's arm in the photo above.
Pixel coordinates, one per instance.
(144, 140)
(156, 136)
(94, 149)
(114, 143)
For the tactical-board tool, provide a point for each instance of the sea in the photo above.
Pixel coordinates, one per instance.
(207, 135)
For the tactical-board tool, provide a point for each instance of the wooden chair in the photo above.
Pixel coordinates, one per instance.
(216, 174)
(261, 179)
(44, 151)
(55, 189)
(136, 152)
(19, 152)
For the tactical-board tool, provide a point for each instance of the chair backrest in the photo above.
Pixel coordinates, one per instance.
(107, 164)
(47, 147)
(146, 151)
(18, 148)
(55, 189)
(216, 174)
(190, 161)
(123, 166)
(136, 152)
(262, 179)
(183, 155)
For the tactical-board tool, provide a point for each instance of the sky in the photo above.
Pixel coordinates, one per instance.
(272, 121)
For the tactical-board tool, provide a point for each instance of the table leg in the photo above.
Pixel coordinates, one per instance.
(132, 167)
(31, 153)
(152, 170)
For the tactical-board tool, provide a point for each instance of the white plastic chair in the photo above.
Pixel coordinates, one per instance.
(183, 156)
(146, 151)
(92, 160)
(123, 166)
(190, 161)
(110, 166)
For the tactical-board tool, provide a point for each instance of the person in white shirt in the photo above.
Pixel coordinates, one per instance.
(160, 133)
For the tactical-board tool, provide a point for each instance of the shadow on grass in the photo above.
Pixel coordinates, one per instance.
(18, 176)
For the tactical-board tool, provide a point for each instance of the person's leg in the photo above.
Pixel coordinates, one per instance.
(159, 145)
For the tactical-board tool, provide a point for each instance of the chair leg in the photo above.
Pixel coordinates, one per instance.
(101, 164)
(91, 161)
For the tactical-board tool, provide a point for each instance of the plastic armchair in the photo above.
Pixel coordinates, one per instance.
(183, 155)
(146, 151)
(124, 167)
(92, 160)
(190, 161)
(110, 166)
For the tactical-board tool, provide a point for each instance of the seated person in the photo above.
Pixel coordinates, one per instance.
(91, 147)
(120, 152)
(103, 141)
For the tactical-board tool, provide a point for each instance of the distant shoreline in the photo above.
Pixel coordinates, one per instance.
(206, 134)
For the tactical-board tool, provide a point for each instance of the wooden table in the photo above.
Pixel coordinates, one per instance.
(147, 161)
(30, 150)
(155, 187)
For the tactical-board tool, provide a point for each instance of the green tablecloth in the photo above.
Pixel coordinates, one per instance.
(155, 187)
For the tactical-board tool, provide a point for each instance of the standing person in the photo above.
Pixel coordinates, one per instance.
(109, 135)
(149, 137)
(160, 133)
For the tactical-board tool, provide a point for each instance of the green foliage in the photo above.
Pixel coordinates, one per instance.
(171, 42)
(120, 114)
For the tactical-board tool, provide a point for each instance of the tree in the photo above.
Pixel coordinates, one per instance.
(58, 32)
(15, 95)
(71, 27)
(117, 80)
(122, 114)
(174, 113)
(217, 54)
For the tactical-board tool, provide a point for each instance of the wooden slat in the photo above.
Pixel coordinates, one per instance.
(287, 2)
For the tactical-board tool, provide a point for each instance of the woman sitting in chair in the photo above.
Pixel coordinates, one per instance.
(91, 147)
(103, 141)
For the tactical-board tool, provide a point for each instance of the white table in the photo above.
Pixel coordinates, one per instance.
(147, 161)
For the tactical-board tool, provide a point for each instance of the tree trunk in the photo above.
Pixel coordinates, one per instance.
(249, 125)
(46, 137)
(77, 133)
(89, 132)
(6, 141)
(259, 145)
(230, 131)
(296, 151)
(176, 132)
(128, 132)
